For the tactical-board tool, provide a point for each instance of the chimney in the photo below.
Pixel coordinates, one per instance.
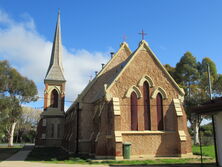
(96, 72)
(112, 53)
(102, 65)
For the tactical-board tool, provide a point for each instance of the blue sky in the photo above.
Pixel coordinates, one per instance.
(91, 29)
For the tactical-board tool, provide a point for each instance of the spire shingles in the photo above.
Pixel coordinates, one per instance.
(55, 70)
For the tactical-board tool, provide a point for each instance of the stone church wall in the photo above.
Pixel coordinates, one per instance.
(143, 64)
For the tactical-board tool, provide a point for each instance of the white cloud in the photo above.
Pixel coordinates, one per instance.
(29, 52)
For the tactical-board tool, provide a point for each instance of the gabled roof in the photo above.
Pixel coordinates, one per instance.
(55, 70)
(143, 45)
(108, 67)
(111, 76)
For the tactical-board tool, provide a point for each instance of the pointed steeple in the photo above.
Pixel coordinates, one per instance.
(55, 70)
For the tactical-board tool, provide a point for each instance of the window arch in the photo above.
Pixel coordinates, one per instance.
(147, 79)
(134, 89)
(146, 95)
(159, 107)
(54, 99)
(161, 91)
(134, 117)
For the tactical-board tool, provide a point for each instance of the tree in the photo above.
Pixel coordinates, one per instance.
(218, 85)
(172, 71)
(27, 124)
(15, 90)
(204, 82)
(187, 70)
(193, 77)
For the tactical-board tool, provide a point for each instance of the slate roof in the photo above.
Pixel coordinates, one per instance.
(109, 77)
(55, 70)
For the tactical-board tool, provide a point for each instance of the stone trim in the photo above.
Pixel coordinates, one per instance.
(145, 132)
(182, 135)
(135, 89)
(148, 79)
(161, 91)
(116, 106)
(178, 108)
(118, 136)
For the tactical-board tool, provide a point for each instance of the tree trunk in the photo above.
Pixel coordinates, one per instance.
(11, 135)
(196, 132)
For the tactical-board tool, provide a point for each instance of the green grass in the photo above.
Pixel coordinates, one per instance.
(6, 152)
(206, 150)
(57, 155)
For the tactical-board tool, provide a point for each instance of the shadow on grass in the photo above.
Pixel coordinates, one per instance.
(47, 154)
(59, 156)
(7, 152)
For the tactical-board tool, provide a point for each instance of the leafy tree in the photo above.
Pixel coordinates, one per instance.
(193, 77)
(187, 70)
(218, 85)
(15, 90)
(27, 124)
(204, 82)
(172, 71)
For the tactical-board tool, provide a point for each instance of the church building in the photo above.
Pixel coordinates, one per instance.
(133, 99)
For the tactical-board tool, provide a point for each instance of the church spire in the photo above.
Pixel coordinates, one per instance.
(55, 70)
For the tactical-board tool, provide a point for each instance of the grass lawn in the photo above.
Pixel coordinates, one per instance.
(57, 155)
(207, 151)
(6, 152)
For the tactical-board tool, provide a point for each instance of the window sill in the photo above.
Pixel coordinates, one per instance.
(146, 132)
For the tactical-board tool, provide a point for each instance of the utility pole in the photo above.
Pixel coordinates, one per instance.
(210, 95)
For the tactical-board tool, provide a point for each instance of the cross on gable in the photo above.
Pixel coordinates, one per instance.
(142, 34)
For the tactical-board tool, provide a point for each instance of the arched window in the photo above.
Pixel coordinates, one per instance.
(146, 95)
(54, 99)
(159, 102)
(134, 117)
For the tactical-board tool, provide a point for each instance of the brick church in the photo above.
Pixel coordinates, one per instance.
(132, 99)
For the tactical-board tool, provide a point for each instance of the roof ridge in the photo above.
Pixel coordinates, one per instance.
(90, 84)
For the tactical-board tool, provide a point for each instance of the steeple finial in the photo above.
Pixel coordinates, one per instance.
(55, 70)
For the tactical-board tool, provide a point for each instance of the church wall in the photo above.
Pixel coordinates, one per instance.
(104, 142)
(88, 124)
(152, 143)
(70, 131)
(131, 76)
(142, 64)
